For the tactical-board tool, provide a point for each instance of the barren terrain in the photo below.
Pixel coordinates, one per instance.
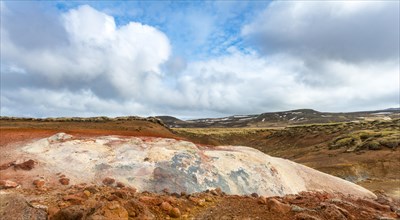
(61, 196)
(340, 149)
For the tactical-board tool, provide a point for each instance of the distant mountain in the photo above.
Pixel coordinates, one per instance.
(280, 119)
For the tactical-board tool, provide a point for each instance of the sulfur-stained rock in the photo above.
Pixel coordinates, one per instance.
(87, 193)
(182, 166)
(175, 213)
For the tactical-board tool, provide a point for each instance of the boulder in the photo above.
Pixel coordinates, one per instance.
(182, 166)
(6, 184)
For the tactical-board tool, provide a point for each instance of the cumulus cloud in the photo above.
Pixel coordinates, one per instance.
(96, 50)
(85, 64)
(251, 83)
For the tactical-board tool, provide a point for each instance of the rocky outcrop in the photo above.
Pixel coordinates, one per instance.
(155, 164)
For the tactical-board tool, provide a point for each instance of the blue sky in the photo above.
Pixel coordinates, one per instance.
(196, 29)
(197, 58)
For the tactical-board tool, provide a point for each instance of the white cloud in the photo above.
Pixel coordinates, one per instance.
(45, 103)
(249, 83)
(95, 67)
(96, 48)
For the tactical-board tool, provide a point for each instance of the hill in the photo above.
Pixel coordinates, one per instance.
(282, 119)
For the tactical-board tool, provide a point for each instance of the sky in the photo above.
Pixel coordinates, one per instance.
(193, 59)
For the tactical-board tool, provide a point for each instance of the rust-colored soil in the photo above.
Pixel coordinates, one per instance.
(310, 146)
(110, 202)
(85, 201)
(17, 131)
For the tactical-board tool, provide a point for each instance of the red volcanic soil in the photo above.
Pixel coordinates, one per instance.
(47, 199)
(22, 131)
(113, 202)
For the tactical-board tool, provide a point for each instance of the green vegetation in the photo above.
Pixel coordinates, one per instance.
(367, 140)
(347, 136)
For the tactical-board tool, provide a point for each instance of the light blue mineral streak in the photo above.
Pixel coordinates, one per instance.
(181, 174)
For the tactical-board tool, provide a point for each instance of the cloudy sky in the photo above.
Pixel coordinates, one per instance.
(197, 59)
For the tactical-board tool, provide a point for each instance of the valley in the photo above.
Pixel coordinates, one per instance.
(145, 168)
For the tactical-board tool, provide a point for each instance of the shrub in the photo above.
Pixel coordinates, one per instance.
(390, 143)
(372, 145)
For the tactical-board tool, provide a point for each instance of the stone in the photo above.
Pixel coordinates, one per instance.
(216, 192)
(62, 204)
(166, 191)
(6, 184)
(108, 181)
(172, 200)
(166, 206)
(121, 194)
(64, 181)
(113, 205)
(87, 193)
(201, 203)
(150, 200)
(27, 165)
(80, 186)
(276, 206)
(262, 200)
(255, 195)
(14, 207)
(168, 167)
(74, 199)
(112, 197)
(177, 195)
(175, 213)
(334, 212)
(7, 165)
(131, 189)
(92, 189)
(52, 210)
(197, 201)
(296, 208)
(375, 205)
(70, 213)
(137, 210)
(38, 183)
(120, 185)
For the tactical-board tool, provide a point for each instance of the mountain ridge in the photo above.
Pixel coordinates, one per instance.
(282, 118)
